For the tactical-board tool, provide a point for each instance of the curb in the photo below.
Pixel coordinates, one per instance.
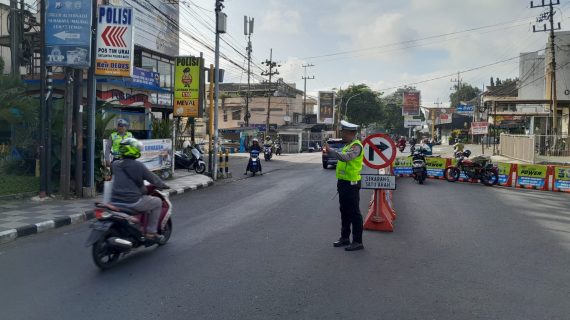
(13, 234)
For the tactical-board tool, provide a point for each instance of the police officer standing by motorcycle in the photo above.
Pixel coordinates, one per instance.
(118, 136)
(348, 185)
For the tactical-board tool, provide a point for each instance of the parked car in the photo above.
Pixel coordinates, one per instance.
(336, 144)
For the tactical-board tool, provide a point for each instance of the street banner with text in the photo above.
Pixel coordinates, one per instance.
(411, 103)
(478, 128)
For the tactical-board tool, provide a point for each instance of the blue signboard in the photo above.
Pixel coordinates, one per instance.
(465, 109)
(146, 77)
(68, 33)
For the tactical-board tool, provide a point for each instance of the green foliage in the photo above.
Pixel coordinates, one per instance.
(162, 128)
(102, 120)
(465, 93)
(393, 120)
(364, 105)
(12, 184)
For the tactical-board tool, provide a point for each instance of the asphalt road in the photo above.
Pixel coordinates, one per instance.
(261, 248)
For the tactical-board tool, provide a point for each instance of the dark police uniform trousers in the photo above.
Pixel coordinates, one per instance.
(349, 199)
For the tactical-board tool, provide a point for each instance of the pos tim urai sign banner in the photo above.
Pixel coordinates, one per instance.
(326, 107)
(114, 41)
(188, 81)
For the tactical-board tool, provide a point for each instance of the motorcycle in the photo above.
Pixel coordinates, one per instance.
(473, 169)
(419, 169)
(401, 147)
(253, 162)
(194, 162)
(278, 149)
(117, 231)
(267, 152)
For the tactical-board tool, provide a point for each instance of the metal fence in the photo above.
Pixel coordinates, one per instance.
(536, 148)
(519, 147)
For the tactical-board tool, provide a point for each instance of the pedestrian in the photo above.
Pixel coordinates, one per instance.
(118, 136)
(348, 185)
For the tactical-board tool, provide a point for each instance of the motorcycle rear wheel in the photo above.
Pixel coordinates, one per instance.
(451, 174)
(201, 168)
(490, 178)
(103, 255)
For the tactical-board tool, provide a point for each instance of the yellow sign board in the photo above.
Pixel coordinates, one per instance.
(187, 86)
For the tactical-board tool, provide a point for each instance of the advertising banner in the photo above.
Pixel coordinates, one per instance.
(157, 154)
(531, 176)
(403, 166)
(462, 176)
(562, 179)
(505, 173)
(326, 107)
(479, 128)
(435, 167)
(411, 103)
(146, 77)
(114, 42)
(68, 33)
(187, 84)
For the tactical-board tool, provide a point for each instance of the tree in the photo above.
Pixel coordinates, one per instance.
(360, 104)
(466, 92)
(393, 120)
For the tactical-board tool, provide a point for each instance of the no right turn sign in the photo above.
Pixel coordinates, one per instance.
(379, 151)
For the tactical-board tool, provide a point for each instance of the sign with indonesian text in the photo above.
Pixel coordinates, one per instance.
(187, 84)
(378, 181)
(114, 41)
(411, 103)
(479, 127)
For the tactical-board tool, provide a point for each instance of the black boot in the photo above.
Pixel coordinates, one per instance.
(341, 242)
(354, 246)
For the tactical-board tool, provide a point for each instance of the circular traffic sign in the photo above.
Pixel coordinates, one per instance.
(379, 151)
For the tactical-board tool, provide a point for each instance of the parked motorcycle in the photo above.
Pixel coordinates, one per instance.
(117, 231)
(253, 165)
(473, 169)
(193, 162)
(267, 152)
(277, 149)
(419, 169)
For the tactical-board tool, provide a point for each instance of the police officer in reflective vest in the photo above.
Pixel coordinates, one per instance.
(348, 174)
(118, 136)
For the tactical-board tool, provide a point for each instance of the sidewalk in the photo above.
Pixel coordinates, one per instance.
(476, 150)
(19, 218)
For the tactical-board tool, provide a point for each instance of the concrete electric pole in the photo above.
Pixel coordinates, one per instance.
(305, 90)
(270, 64)
(248, 30)
(221, 19)
(549, 15)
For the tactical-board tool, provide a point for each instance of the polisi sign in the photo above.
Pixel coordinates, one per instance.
(115, 41)
(188, 79)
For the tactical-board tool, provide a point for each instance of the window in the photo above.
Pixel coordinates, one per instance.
(149, 64)
(165, 70)
(236, 115)
(225, 116)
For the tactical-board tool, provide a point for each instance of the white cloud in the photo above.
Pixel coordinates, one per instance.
(279, 19)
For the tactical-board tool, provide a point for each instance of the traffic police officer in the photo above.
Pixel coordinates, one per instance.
(118, 136)
(348, 174)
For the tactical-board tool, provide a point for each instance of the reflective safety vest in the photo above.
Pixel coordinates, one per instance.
(350, 171)
(116, 138)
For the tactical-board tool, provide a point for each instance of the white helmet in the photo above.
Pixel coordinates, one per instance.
(255, 140)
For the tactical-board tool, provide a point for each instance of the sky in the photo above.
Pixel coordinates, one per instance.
(384, 44)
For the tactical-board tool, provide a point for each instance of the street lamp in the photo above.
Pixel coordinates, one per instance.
(347, 101)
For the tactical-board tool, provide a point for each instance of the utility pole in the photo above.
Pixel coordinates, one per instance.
(457, 86)
(221, 27)
(15, 38)
(67, 137)
(43, 107)
(549, 15)
(248, 30)
(437, 103)
(305, 91)
(90, 190)
(270, 64)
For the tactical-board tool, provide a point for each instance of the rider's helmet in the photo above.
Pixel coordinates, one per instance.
(467, 153)
(255, 140)
(130, 148)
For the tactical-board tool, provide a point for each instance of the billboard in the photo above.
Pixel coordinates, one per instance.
(411, 103)
(465, 109)
(68, 33)
(156, 24)
(188, 80)
(326, 107)
(114, 41)
(479, 127)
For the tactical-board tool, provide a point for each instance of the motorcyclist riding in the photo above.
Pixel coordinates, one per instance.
(128, 185)
(254, 146)
(402, 142)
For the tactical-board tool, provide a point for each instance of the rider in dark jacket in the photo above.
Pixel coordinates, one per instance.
(254, 146)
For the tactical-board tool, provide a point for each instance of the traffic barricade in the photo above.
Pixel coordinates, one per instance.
(532, 176)
(436, 166)
(403, 167)
(560, 178)
(507, 174)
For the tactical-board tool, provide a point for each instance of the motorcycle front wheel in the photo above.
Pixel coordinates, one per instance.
(103, 255)
(201, 168)
(451, 174)
(490, 177)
